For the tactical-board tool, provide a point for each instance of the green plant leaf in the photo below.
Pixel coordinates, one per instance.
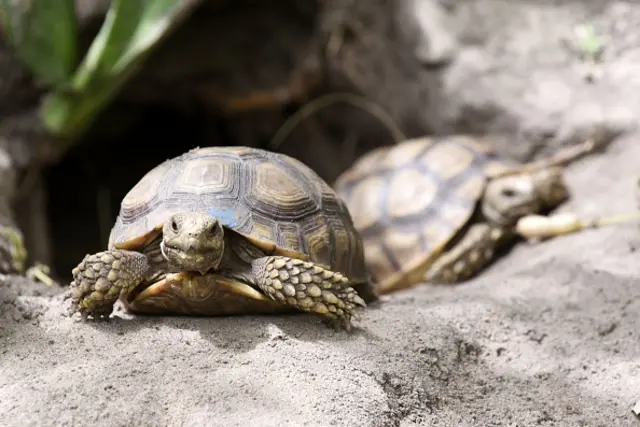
(132, 28)
(44, 36)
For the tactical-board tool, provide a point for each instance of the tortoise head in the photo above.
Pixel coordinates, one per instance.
(193, 241)
(510, 197)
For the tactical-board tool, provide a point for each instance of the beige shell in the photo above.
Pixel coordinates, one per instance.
(274, 200)
(409, 200)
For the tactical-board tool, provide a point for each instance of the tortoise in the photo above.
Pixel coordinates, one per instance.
(439, 209)
(225, 231)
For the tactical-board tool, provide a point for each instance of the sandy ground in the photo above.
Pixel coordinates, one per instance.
(547, 336)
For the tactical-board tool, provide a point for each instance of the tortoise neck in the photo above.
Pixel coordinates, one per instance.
(238, 256)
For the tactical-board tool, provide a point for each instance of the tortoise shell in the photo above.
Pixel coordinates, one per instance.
(274, 200)
(409, 200)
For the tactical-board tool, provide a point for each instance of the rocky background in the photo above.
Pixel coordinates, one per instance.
(547, 336)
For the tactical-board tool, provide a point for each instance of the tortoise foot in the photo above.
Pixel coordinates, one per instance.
(309, 288)
(101, 278)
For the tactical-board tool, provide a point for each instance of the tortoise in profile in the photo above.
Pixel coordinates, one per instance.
(228, 230)
(438, 210)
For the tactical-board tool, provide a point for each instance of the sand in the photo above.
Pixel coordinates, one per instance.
(547, 336)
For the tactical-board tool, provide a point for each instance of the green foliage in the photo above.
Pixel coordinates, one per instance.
(132, 28)
(44, 33)
(590, 43)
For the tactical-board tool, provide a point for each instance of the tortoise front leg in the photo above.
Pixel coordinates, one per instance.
(101, 278)
(469, 256)
(308, 287)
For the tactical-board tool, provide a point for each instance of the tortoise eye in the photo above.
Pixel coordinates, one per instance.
(174, 225)
(508, 192)
(213, 230)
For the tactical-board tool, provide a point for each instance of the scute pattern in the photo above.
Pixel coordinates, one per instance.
(145, 196)
(201, 174)
(264, 195)
(410, 199)
(275, 191)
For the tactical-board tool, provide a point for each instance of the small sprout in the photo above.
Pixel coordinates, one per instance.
(18, 251)
(590, 44)
(40, 272)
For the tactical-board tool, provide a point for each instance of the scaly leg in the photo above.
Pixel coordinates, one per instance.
(308, 287)
(469, 256)
(101, 278)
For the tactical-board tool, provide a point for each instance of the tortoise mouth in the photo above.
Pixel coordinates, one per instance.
(191, 260)
(509, 218)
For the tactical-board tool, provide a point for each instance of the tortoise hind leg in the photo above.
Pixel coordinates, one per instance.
(101, 278)
(308, 287)
(469, 256)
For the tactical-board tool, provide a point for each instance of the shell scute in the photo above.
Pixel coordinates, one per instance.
(409, 200)
(276, 201)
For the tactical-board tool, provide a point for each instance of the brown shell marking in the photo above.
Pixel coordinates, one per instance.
(409, 200)
(276, 201)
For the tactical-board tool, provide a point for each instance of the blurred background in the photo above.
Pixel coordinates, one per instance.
(240, 73)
